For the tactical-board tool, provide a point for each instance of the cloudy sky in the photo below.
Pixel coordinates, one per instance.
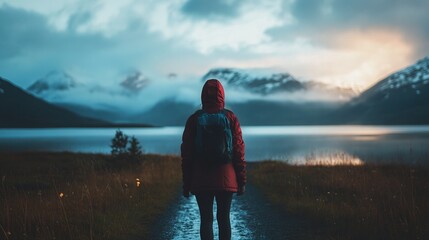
(350, 43)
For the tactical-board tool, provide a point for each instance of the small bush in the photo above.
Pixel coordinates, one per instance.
(135, 150)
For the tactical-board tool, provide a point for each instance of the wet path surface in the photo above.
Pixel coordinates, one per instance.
(251, 218)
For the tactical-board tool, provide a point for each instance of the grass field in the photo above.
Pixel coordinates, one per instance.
(351, 202)
(85, 196)
(81, 196)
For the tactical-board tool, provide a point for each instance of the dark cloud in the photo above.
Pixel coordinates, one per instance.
(24, 31)
(19, 28)
(317, 19)
(30, 47)
(211, 8)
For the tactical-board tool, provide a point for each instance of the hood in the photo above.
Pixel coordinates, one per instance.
(213, 96)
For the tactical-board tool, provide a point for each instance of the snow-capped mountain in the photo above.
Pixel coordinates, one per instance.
(63, 89)
(411, 79)
(135, 82)
(53, 81)
(113, 100)
(257, 82)
(264, 82)
(400, 98)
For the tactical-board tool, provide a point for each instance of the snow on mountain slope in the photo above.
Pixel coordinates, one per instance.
(53, 81)
(413, 77)
(60, 87)
(256, 81)
(400, 98)
(266, 82)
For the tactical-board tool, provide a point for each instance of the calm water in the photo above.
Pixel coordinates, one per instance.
(295, 144)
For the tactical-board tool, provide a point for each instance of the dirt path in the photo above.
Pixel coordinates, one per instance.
(251, 218)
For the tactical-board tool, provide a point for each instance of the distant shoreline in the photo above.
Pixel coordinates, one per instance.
(138, 125)
(119, 125)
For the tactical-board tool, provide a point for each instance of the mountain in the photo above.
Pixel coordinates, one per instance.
(167, 112)
(400, 98)
(59, 82)
(109, 114)
(21, 109)
(110, 102)
(260, 112)
(266, 82)
(414, 78)
(255, 112)
(255, 82)
(53, 81)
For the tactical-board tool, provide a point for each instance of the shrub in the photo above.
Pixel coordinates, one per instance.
(135, 150)
(119, 144)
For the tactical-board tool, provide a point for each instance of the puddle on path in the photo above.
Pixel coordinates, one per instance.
(185, 224)
(252, 217)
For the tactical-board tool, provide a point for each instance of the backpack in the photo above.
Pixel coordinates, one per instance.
(213, 138)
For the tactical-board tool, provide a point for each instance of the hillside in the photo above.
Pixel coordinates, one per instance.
(21, 109)
(400, 98)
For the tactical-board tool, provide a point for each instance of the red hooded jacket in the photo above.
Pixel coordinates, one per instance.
(225, 177)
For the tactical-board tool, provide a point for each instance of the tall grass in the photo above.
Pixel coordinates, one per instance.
(351, 202)
(79, 196)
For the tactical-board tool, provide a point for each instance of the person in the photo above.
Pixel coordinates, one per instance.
(209, 182)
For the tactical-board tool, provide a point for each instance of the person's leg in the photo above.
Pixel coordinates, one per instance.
(223, 202)
(205, 204)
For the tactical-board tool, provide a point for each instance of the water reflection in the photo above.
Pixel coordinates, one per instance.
(185, 224)
(375, 144)
(252, 217)
(333, 130)
(367, 138)
(328, 159)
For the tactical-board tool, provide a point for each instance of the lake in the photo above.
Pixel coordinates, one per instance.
(295, 144)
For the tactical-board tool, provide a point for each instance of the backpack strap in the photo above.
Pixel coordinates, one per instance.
(199, 112)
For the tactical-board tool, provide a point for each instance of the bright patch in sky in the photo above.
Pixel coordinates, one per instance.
(352, 44)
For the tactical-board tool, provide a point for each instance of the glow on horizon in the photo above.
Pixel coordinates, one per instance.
(339, 130)
(331, 159)
(357, 59)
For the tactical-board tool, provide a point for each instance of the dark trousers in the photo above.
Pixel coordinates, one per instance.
(205, 204)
